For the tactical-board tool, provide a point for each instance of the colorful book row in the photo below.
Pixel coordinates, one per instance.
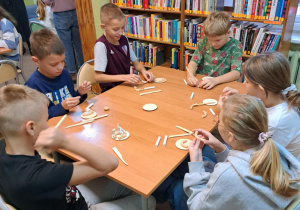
(193, 31)
(171, 5)
(203, 7)
(175, 57)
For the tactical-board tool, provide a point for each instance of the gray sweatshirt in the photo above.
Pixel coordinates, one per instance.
(233, 186)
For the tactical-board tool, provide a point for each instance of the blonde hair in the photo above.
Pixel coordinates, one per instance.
(110, 11)
(18, 104)
(272, 72)
(217, 23)
(40, 9)
(246, 117)
(44, 42)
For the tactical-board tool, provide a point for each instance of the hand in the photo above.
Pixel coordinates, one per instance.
(50, 140)
(192, 81)
(85, 87)
(222, 98)
(210, 140)
(131, 78)
(208, 83)
(227, 91)
(195, 149)
(69, 103)
(148, 75)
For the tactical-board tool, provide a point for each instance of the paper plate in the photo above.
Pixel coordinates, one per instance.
(150, 107)
(121, 139)
(160, 80)
(211, 101)
(88, 115)
(206, 78)
(178, 143)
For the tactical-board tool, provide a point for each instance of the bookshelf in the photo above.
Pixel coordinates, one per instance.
(286, 25)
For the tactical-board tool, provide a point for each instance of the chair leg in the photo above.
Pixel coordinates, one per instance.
(23, 76)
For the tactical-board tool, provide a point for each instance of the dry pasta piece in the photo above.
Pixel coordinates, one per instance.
(204, 114)
(184, 144)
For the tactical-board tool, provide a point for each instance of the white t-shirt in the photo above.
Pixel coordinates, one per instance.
(100, 53)
(48, 19)
(284, 123)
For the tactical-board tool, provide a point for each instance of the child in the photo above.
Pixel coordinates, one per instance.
(267, 76)
(50, 77)
(256, 174)
(29, 182)
(113, 53)
(45, 15)
(217, 55)
(9, 36)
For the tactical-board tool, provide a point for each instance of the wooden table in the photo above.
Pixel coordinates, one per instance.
(4, 50)
(148, 166)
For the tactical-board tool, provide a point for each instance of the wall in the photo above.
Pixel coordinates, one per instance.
(96, 11)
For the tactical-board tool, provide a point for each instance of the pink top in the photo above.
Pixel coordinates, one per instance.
(60, 5)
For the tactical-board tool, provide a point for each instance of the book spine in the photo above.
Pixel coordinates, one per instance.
(265, 9)
(278, 10)
(273, 9)
(276, 43)
(270, 42)
(253, 9)
(268, 9)
(284, 10)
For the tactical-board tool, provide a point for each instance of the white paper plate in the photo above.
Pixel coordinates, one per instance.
(160, 80)
(121, 139)
(150, 107)
(178, 143)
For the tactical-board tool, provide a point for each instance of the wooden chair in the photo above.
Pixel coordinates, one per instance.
(8, 71)
(20, 71)
(87, 73)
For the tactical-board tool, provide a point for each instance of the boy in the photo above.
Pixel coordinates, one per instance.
(113, 53)
(29, 182)
(217, 55)
(50, 77)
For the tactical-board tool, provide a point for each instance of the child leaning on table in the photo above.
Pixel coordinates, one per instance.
(267, 76)
(256, 174)
(113, 53)
(50, 77)
(217, 55)
(31, 183)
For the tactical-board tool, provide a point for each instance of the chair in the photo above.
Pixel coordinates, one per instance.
(21, 58)
(35, 25)
(295, 204)
(8, 71)
(87, 73)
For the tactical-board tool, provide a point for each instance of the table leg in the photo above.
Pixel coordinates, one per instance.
(56, 157)
(144, 203)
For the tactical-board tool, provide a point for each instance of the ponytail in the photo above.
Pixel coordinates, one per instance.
(293, 98)
(266, 163)
(40, 9)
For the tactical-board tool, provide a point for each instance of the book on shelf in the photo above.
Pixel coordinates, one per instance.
(193, 31)
(175, 56)
(203, 7)
(170, 5)
(187, 57)
(273, 10)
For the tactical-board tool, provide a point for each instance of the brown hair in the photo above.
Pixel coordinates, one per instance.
(44, 42)
(217, 23)
(246, 117)
(7, 15)
(41, 9)
(110, 11)
(272, 72)
(19, 103)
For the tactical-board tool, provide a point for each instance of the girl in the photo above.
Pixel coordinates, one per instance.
(267, 76)
(45, 15)
(9, 36)
(256, 174)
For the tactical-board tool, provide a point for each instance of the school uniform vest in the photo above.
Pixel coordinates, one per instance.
(118, 60)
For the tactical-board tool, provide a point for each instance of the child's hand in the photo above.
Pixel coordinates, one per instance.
(148, 75)
(227, 91)
(222, 98)
(85, 87)
(132, 78)
(210, 140)
(208, 83)
(50, 140)
(192, 81)
(69, 103)
(195, 149)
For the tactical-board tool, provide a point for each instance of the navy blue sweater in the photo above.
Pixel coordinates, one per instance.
(56, 90)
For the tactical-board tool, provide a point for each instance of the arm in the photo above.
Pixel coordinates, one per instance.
(56, 110)
(140, 68)
(98, 161)
(8, 38)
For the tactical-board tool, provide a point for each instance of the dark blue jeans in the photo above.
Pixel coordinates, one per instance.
(172, 188)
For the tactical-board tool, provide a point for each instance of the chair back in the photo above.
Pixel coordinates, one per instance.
(20, 52)
(35, 25)
(87, 73)
(295, 204)
(8, 71)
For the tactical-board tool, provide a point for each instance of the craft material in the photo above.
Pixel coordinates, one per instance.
(137, 89)
(184, 129)
(87, 121)
(119, 134)
(119, 155)
(106, 108)
(178, 135)
(204, 78)
(208, 101)
(89, 106)
(141, 94)
(192, 96)
(157, 141)
(150, 107)
(204, 114)
(185, 82)
(61, 120)
(160, 80)
(143, 81)
(197, 137)
(183, 144)
(151, 87)
(165, 140)
(213, 113)
(88, 114)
